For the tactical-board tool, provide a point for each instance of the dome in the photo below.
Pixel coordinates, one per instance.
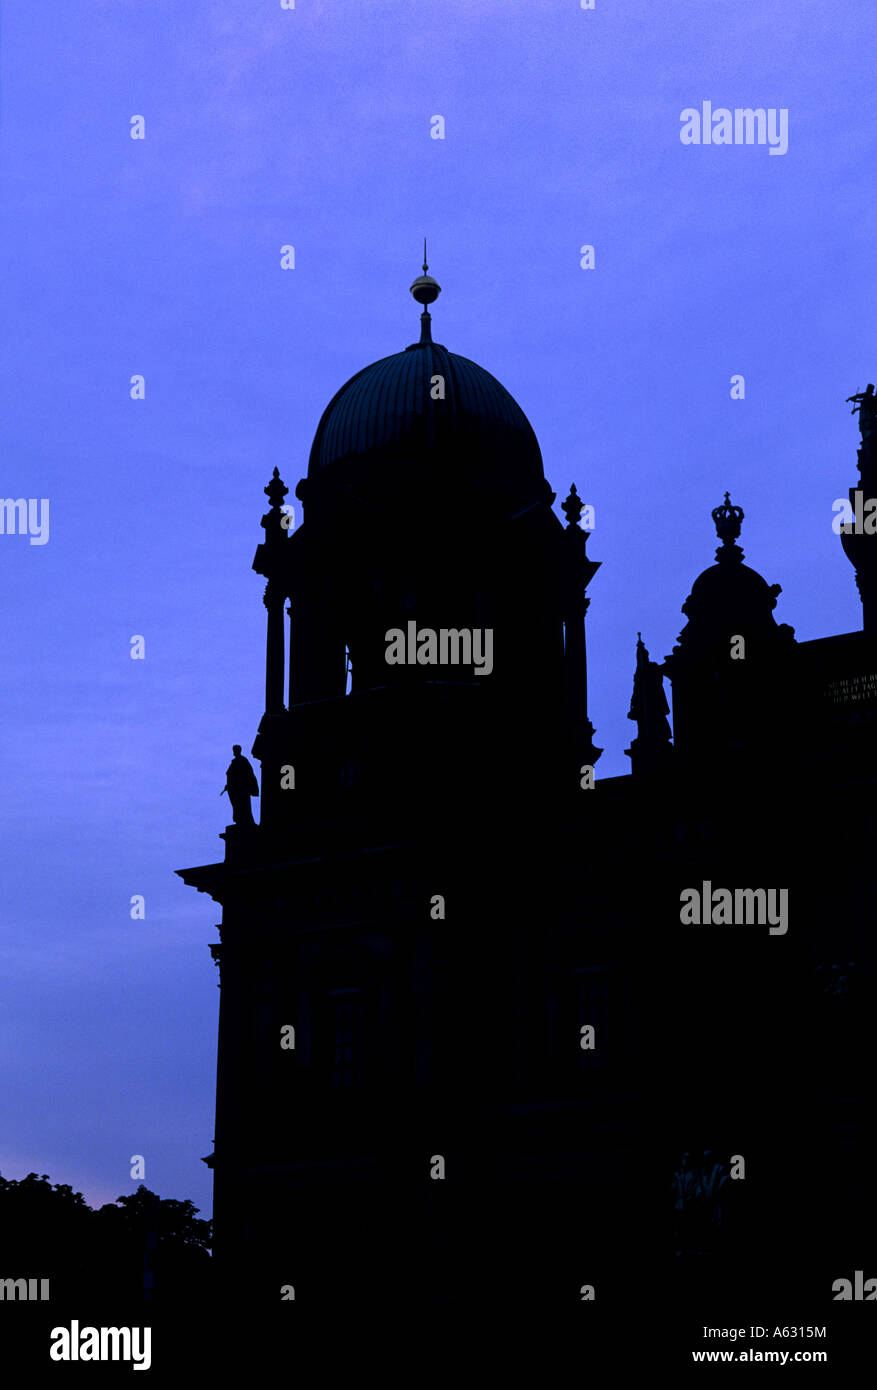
(385, 417)
(729, 597)
(732, 591)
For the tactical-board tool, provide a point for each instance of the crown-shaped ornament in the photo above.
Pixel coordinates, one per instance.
(727, 520)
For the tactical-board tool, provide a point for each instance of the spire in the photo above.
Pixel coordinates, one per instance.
(276, 489)
(271, 561)
(578, 571)
(573, 507)
(425, 290)
(275, 521)
(728, 520)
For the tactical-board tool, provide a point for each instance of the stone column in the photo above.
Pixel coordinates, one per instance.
(275, 664)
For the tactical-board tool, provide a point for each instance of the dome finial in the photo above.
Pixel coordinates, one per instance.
(425, 290)
(573, 506)
(727, 519)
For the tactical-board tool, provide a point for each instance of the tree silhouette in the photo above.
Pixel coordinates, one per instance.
(142, 1248)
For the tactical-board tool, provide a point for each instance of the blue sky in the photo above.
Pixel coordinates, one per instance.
(311, 127)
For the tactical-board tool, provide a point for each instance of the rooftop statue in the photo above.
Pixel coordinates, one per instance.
(241, 784)
(865, 402)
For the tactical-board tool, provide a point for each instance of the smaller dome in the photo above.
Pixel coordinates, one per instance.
(731, 590)
(729, 597)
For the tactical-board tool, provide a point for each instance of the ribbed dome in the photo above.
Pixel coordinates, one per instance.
(387, 413)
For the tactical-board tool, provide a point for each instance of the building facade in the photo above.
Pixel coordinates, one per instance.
(481, 1042)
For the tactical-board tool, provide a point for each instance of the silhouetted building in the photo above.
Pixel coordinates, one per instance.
(470, 1048)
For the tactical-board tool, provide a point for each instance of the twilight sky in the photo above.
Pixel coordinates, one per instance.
(161, 256)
